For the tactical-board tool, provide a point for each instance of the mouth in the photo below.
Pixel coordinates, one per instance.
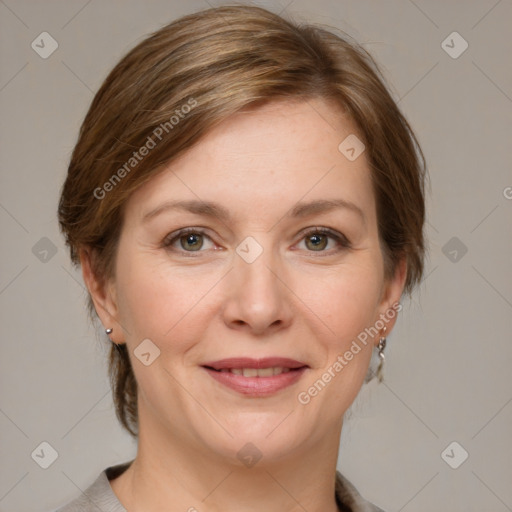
(256, 377)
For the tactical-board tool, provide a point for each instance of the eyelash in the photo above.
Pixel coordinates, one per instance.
(342, 240)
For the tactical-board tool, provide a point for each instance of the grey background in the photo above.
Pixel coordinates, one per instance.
(449, 360)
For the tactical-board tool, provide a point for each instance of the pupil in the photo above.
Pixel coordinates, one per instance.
(318, 241)
(192, 242)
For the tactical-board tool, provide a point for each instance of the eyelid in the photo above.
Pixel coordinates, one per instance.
(171, 238)
(340, 238)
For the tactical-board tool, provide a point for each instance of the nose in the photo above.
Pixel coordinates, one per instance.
(258, 301)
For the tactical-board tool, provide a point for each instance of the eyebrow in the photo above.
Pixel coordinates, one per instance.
(215, 210)
(324, 206)
(205, 208)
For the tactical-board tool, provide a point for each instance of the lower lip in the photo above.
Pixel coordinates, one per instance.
(257, 386)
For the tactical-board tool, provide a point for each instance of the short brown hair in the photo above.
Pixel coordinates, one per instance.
(221, 61)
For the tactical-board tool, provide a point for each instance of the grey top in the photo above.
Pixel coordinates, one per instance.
(100, 496)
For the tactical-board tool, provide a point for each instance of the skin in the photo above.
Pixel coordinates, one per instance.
(295, 300)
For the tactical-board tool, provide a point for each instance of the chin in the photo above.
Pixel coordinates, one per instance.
(266, 435)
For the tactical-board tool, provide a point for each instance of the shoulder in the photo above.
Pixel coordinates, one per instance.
(348, 497)
(99, 495)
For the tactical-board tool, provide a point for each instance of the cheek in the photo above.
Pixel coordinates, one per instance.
(342, 308)
(343, 301)
(157, 301)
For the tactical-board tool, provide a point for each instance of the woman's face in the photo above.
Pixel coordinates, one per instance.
(280, 269)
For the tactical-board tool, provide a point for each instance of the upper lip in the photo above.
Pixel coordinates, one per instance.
(247, 362)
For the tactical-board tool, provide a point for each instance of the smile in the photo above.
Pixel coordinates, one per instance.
(256, 377)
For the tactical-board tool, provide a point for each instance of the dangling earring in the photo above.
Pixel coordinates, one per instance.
(381, 347)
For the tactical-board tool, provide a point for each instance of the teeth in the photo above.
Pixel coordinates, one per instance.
(257, 372)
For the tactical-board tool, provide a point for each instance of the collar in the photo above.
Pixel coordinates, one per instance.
(101, 494)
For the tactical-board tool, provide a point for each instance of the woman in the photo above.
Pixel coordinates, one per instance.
(246, 203)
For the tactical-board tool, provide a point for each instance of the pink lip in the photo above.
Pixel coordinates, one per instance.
(256, 386)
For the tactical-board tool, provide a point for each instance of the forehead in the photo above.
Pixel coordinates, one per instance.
(264, 160)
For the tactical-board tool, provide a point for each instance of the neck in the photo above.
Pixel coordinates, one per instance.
(168, 470)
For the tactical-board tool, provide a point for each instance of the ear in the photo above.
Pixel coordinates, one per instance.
(392, 290)
(103, 294)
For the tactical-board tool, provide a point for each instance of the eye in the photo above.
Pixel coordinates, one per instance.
(188, 240)
(317, 240)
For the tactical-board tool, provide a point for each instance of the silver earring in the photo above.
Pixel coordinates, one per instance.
(381, 346)
(108, 332)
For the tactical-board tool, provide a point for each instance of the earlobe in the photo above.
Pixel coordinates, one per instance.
(102, 293)
(392, 292)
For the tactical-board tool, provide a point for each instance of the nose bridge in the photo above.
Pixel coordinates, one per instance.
(257, 275)
(257, 298)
